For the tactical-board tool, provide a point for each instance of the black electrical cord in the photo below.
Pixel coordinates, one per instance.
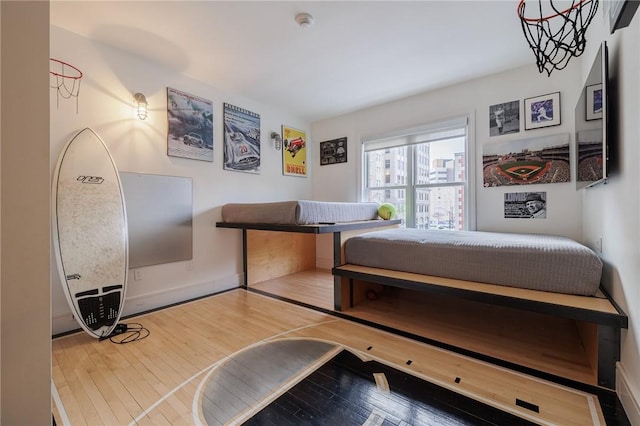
(127, 333)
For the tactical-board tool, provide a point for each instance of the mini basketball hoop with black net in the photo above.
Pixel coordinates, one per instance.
(65, 78)
(556, 34)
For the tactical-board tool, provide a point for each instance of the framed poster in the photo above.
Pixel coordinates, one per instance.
(544, 159)
(525, 205)
(504, 118)
(241, 139)
(294, 154)
(594, 102)
(333, 151)
(542, 111)
(190, 133)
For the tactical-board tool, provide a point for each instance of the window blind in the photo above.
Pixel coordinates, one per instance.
(452, 128)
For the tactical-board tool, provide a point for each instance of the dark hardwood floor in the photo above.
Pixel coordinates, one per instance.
(344, 392)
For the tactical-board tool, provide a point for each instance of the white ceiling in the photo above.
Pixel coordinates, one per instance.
(355, 55)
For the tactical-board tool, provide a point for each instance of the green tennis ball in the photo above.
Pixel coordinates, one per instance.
(386, 211)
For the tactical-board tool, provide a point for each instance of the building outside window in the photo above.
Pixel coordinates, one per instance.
(426, 175)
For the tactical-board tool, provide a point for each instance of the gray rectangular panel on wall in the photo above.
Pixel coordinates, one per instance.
(159, 216)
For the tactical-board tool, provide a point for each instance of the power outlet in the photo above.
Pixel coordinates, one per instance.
(189, 266)
(599, 244)
(137, 274)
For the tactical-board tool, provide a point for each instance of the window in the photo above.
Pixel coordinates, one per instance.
(429, 185)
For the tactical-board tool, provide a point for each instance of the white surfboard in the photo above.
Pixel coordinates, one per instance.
(90, 233)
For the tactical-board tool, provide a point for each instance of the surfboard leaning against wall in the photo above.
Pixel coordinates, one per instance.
(90, 233)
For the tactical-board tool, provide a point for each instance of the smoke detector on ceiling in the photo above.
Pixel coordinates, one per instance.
(304, 20)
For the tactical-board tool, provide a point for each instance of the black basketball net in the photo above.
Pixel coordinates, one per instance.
(558, 33)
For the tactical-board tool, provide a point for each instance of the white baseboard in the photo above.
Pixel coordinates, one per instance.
(628, 395)
(64, 322)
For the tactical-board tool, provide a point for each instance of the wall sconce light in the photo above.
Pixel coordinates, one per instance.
(142, 104)
(277, 140)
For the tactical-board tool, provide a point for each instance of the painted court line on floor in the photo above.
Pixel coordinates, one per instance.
(203, 371)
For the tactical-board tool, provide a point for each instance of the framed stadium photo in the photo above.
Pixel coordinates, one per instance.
(545, 159)
(542, 111)
(594, 102)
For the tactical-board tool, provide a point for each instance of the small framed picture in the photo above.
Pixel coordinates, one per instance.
(333, 151)
(594, 102)
(525, 205)
(542, 111)
(504, 118)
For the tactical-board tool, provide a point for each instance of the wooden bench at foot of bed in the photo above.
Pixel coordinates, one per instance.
(594, 322)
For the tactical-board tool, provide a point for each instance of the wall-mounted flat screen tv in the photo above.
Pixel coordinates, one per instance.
(592, 124)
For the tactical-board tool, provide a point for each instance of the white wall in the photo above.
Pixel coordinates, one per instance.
(105, 104)
(341, 182)
(612, 211)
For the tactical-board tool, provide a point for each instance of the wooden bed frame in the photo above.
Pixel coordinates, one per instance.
(598, 320)
(271, 251)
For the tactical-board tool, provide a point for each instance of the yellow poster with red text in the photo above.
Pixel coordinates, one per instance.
(294, 152)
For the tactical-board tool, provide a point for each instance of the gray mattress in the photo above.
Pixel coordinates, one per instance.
(538, 262)
(302, 212)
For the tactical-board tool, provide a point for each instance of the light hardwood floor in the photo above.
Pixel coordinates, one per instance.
(159, 380)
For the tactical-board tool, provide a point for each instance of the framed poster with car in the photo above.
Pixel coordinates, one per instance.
(294, 152)
(241, 139)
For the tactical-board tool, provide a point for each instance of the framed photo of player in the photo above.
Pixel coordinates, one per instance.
(594, 102)
(525, 205)
(504, 118)
(542, 111)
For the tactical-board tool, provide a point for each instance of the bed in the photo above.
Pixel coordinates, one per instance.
(301, 212)
(546, 275)
(537, 262)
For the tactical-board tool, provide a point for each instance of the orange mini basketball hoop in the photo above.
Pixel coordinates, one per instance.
(65, 78)
(556, 35)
